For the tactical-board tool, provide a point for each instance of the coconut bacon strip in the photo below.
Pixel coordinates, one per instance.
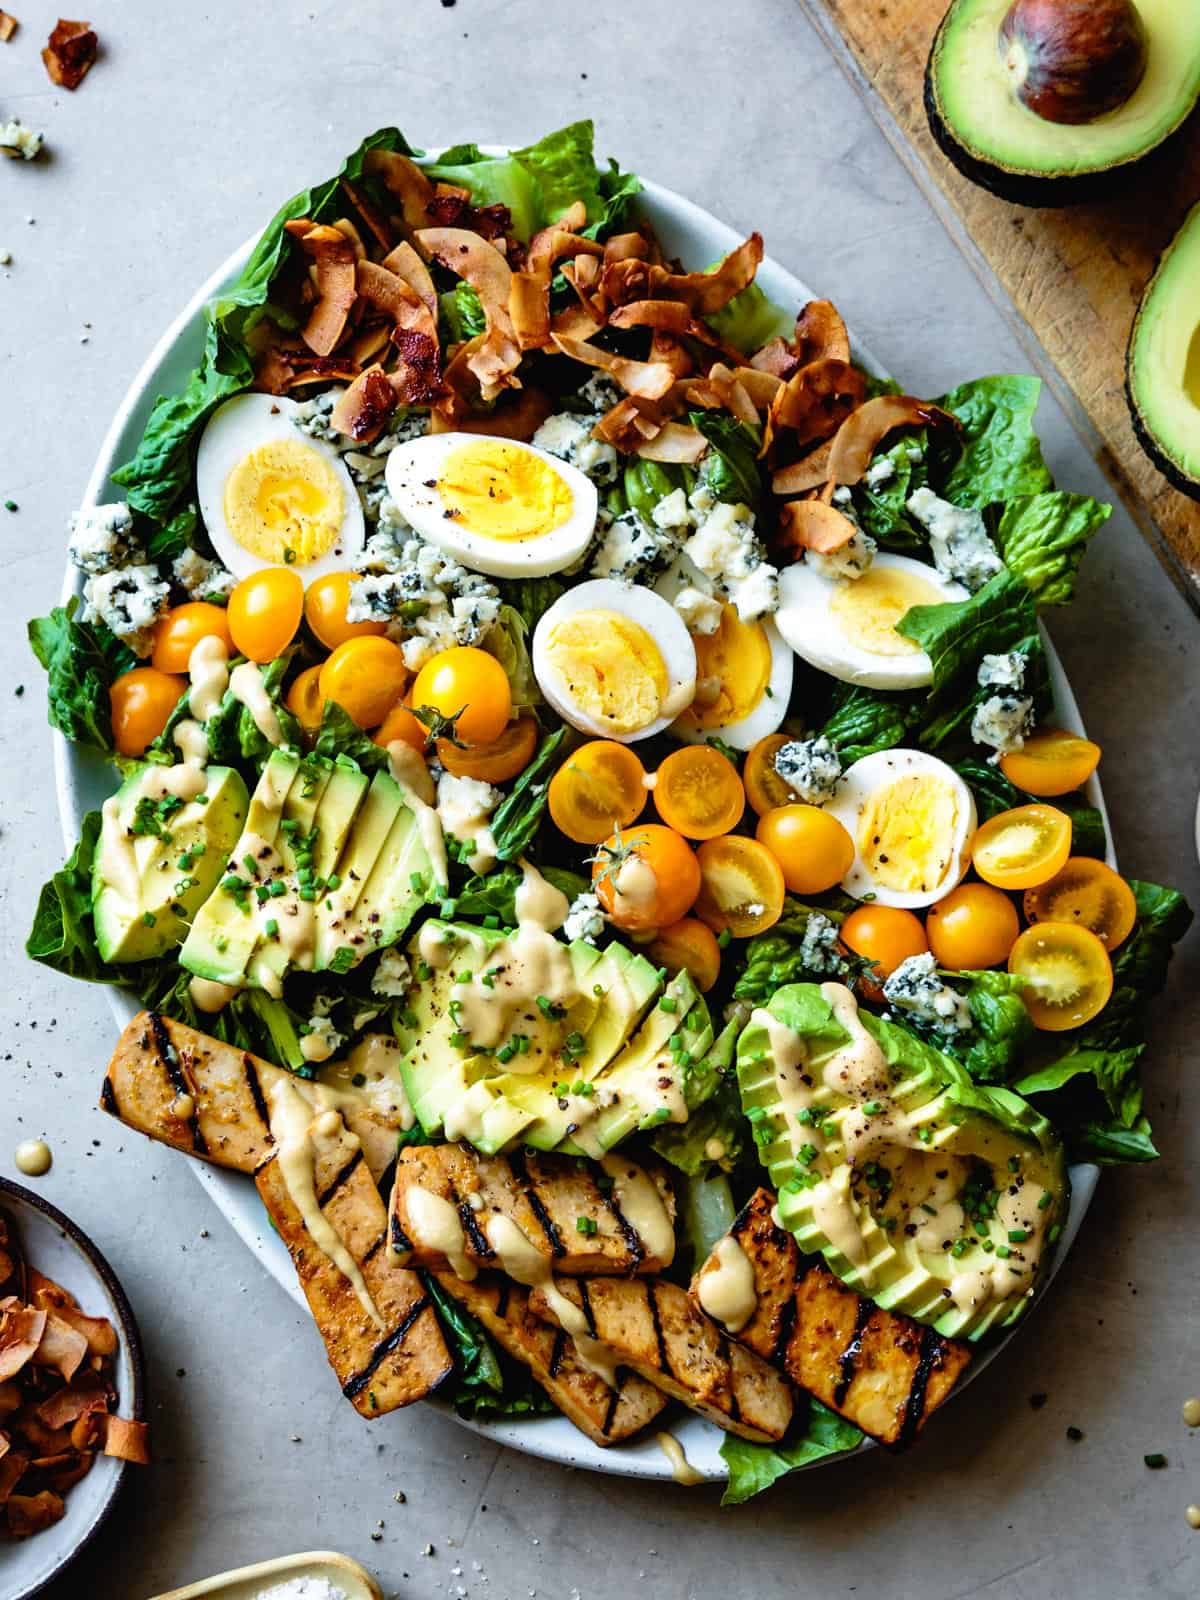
(208, 1099)
(377, 1320)
(607, 1415)
(882, 1371)
(650, 1326)
(333, 256)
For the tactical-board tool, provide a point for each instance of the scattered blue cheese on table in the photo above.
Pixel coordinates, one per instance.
(568, 436)
(958, 538)
(811, 768)
(1004, 720)
(818, 947)
(130, 601)
(915, 987)
(102, 538)
(585, 920)
(393, 976)
(19, 141)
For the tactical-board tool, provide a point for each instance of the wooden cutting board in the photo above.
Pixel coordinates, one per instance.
(1075, 274)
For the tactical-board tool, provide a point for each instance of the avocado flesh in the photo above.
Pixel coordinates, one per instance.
(620, 1051)
(913, 1244)
(1164, 362)
(999, 143)
(155, 919)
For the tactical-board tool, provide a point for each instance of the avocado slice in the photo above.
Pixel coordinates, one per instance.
(996, 142)
(925, 1192)
(1163, 365)
(148, 884)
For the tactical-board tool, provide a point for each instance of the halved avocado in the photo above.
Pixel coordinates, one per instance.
(996, 142)
(1163, 364)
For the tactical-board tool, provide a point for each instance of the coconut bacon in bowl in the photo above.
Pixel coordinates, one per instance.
(584, 749)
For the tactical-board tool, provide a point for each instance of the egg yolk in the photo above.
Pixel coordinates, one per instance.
(283, 503)
(499, 492)
(733, 669)
(867, 609)
(906, 833)
(610, 669)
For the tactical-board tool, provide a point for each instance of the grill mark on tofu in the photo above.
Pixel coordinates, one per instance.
(606, 1425)
(480, 1245)
(401, 1243)
(340, 1178)
(108, 1098)
(546, 1222)
(386, 1346)
(178, 1079)
(632, 1238)
(258, 1099)
(932, 1356)
(848, 1360)
(586, 1302)
(556, 1356)
(664, 1360)
(375, 1248)
(787, 1324)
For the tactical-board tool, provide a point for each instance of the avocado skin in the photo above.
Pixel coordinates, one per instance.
(1170, 469)
(1022, 188)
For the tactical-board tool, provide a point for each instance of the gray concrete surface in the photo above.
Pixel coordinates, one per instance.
(193, 125)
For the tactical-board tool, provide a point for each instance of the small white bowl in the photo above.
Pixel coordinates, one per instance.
(53, 1244)
(247, 1582)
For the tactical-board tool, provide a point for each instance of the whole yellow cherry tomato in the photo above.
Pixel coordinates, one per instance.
(142, 700)
(178, 633)
(470, 689)
(813, 848)
(264, 613)
(973, 927)
(365, 677)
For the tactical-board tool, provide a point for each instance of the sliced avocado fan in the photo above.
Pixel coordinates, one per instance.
(997, 142)
(923, 1191)
(1163, 369)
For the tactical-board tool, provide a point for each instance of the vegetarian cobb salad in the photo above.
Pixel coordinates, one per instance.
(591, 832)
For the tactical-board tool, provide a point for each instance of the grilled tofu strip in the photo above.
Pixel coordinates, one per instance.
(382, 1361)
(606, 1415)
(209, 1099)
(650, 1326)
(545, 1196)
(880, 1370)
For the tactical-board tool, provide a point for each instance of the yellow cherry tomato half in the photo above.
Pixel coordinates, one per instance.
(178, 633)
(600, 788)
(973, 927)
(365, 677)
(885, 936)
(813, 848)
(646, 878)
(470, 689)
(741, 886)
(1021, 848)
(264, 613)
(496, 762)
(305, 700)
(1068, 975)
(688, 946)
(400, 725)
(765, 789)
(697, 792)
(1087, 893)
(142, 700)
(1051, 762)
(325, 602)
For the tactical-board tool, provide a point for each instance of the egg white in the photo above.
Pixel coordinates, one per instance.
(233, 431)
(807, 621)
(413, 466)
(651, 612)
(861, 782)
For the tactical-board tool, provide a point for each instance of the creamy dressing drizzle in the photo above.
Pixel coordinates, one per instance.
(435, 1225)
(208, 995)
(682, 1469)
(295, 1131)
(33, 1158)
(182, 1107)
(539, 902)
(469, 826)
(411, 776)
(1191, 1413)
(528, 966)
(208, 670)
(524, 1263)
(635, 887)
(375, 1060)
(246, 686)
(316, 1047)
(637, 1197)
(727, 1290)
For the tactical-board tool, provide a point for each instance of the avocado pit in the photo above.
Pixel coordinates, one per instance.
(1072, 61)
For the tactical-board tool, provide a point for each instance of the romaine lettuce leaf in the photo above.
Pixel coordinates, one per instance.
(883, 511)
(686, 1144)
(777, 957)
(994, 793)
(81, 660)
(531, 598)
(508, 641)
(866, 720)
(755, 1467)
(1043, 538)
(998, 455)
(485, 1382)
(750, 319)
(519, 814)
(493, 894)
(340, 735)
(730, 468)
(63, 935)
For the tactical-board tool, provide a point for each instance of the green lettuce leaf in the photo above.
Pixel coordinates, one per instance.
(519, 814)
(1043, 538)
(998, 455)
(750, 319)
(461, 313)
(81, 660)
(508, 641)
(494, 893)
(755, 1467)
(485, 1383)
(730, 468)
(531, 598)
(957, 636)
(866, 720)
(883, 511)
(161, 468)
(959, 700)
(776, 957)
(234, 738)
(340, 736)
(63, 935)
(994, 793)
(685, 1144)
(648, 482)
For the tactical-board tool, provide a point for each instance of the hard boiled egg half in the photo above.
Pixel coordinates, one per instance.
(847, 626)
(911, 818)
(271, 496)
(615, 662)
(496, 505)
(743, 683)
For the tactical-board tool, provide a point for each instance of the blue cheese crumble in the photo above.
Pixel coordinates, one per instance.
(393, 976)
(726, 548)
(1004, 720)
(850, 562)
(818, 948)
(879, 472)
(102, 539)
(915, 987)
(629, 549)
(811, 768)
(568, 436)
(202, 579)
(129, 601)
(19, 141)
(584, 920)
(958, 538)
(428, 601)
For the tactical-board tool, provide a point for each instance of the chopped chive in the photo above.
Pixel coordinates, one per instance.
(1017, 1235)
(1045, 1201)
(668, 1003)
(872, 1108)
(458, 1039)
(1003, 1252)
(271, 928)
(1155, 1461)
(1074, 1434)
(587, 1226)
(149, 918)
